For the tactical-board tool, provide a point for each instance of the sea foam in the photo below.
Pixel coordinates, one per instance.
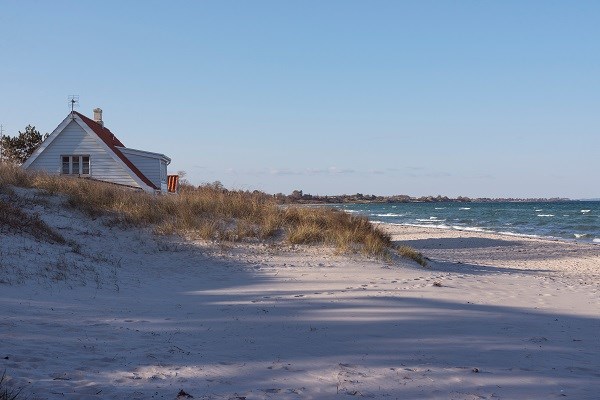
(581, 235)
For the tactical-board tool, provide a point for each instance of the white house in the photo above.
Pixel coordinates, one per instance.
(83, 147)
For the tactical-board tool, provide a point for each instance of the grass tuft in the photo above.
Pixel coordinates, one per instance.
(311, 225)
(6, 393)
(412, 254)
(13, 219)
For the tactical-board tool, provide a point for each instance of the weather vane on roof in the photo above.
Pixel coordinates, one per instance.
(73, 101)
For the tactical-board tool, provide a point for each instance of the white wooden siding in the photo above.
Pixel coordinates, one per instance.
(74, 140)
(149, 166)
(163, 172)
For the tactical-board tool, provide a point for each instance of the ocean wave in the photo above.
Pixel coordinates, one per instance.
(389, 215)
(440, 208)
(465, 208)
(545, 215)
(470, 229)
(521, 235)
(596, 240)
(539, 210)
(582, 235)
(431, 219)
(440, 226)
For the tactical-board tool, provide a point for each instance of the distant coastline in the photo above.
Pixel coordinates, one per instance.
(298, 197)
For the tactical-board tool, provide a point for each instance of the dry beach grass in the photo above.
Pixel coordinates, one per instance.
(13, 219)
(210, 213)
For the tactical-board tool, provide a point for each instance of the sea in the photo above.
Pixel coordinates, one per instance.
(570, 220)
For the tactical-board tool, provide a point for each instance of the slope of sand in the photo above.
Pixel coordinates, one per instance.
(134, 316)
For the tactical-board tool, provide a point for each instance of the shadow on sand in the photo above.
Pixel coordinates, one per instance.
(223, 329)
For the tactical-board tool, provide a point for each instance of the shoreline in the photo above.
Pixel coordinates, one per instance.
(579, 260)
(562, 221)
(594, 242)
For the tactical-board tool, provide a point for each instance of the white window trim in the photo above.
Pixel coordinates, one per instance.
(80, 159)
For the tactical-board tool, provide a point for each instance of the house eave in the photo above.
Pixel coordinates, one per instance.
(144, 153)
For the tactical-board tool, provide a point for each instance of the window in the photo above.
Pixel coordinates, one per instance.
(66, 165)
(85, 165)
(75, 165)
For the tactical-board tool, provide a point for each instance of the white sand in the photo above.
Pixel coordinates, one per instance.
(140, 317)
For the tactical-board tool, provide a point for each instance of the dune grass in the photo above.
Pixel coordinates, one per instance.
(210, 213)
(13, 219)
(412, 254)
(5, 392)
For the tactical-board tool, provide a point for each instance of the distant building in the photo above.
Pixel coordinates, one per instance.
(83, 147)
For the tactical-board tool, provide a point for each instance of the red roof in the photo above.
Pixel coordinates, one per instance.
(111, 141)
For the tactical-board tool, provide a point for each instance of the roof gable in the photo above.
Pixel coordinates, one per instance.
(104, 136)
(112, 142)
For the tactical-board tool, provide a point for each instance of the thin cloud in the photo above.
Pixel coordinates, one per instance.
(283, 171)
(336, 170)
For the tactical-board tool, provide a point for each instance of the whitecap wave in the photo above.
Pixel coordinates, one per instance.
(389, 215)
(585, 211)
(440, 208)
(465, 208)
(545, 215)
(596, 240)
(431, 219)
(441, 226)
(520, 234)
(581, 235)
(539, 210)
(470, 229)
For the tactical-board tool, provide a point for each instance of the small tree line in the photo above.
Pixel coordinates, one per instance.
(19, 148)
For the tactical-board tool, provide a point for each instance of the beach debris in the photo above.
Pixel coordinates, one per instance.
(354, 393)
(475, 370)
(538, 339)
(183, 395)
(437, 284)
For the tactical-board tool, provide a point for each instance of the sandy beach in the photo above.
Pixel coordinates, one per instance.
(138, 316)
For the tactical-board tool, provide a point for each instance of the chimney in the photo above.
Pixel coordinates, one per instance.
(98, 116)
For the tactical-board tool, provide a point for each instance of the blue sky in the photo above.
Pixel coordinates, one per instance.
(474, 98)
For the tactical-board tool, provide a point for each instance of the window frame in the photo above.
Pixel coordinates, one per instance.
(79, 163)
